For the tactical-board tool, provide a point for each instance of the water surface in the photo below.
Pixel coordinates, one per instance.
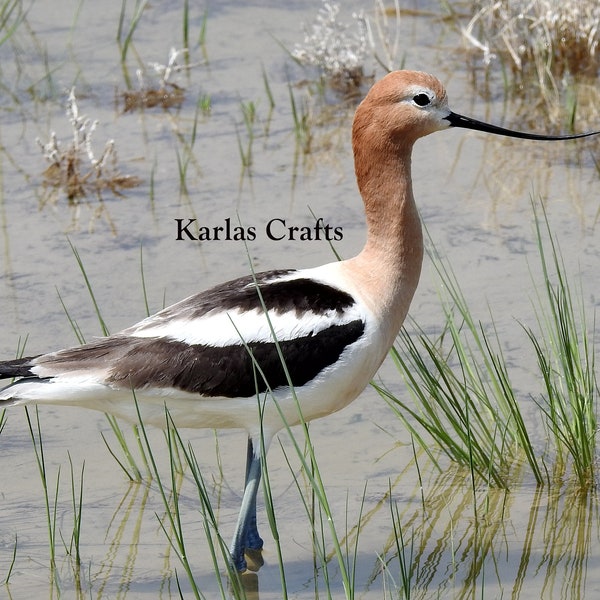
(474, 194)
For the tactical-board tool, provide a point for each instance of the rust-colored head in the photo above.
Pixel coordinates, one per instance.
(402, 107)
(406, 105)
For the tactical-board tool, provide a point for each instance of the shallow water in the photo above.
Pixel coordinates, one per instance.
(474, 196)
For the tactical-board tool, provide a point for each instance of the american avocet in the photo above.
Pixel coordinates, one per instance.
(213, 358)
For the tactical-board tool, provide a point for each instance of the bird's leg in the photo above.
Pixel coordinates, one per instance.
(246, 532)
(253, 539)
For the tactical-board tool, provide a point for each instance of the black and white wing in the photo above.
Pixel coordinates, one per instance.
(219, 343)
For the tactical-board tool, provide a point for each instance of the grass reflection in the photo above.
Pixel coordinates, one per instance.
(493, 543)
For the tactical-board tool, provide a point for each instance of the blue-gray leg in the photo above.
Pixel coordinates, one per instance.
(246, 531)
(253, 539)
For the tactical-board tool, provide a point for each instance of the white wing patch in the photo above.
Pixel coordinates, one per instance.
(225, 328)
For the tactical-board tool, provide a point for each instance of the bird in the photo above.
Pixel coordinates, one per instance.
(281, 347)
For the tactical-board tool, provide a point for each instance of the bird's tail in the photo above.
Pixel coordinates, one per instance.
(20, 369)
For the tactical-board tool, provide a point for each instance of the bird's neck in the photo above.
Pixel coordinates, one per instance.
(390, 262)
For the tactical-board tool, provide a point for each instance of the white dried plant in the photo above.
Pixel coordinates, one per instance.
(549, 51)
(75, 168)
(559, 36)
(165, 92)
(165, 72)
(337, 49)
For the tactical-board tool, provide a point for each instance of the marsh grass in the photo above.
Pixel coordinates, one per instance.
(50, 501)
(268, 91)
(254, 125)
(13, 561)
(558, 37)
(463, 396)
(405, 553)
(11, 16)
(461, 390)
(387, 24)
(126, 28)
(470, 412)
(249, 116)
(74, 544)
(468, 361)
(173, 527)
(566, 358)
(185, 151)
(54, 513)
(128, 463)
(303, 134)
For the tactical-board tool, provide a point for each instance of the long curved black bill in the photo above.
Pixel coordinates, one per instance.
(457, 120)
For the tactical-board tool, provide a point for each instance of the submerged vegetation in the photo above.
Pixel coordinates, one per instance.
(481, 448)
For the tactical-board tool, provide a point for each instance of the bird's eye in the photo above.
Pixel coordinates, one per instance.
(421, 99)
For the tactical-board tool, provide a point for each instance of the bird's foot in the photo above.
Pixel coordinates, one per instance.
(249, 555)
(254, 559)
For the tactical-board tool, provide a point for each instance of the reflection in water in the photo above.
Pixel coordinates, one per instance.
(506, 194)
(473, 543)
(444, 536)
(115, 566)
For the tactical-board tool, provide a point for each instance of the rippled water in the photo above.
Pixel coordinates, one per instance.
(474, 195)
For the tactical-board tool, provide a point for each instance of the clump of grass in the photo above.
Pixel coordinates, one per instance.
(544, 46)
(172, 522)
(566, 359)
(462, 392)
(51, 502)
(405, 552)
(336, 49)
(75, 169)
(463, 397)
(53, 511)
(164, 92)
